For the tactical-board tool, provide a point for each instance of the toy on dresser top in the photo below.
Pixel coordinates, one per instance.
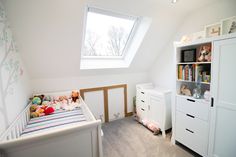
(44, 105)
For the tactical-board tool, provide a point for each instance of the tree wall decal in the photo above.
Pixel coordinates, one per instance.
(10, 70)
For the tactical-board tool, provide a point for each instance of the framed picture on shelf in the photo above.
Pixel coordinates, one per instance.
(213, 30)
(228, 25)
(204, 54)
(188, 55)
(198, 35)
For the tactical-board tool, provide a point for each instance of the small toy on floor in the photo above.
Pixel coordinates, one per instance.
(154, 128)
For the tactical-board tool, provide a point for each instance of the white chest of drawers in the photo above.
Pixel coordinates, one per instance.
(192, 123)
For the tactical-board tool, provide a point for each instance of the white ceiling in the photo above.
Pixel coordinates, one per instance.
(49, 32)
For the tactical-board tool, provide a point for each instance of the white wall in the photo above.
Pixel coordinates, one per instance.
(14, 80)
(162, 71)
(58, 84)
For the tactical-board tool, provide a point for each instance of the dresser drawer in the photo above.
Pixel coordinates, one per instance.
(198, 126)
(141, 95)
(191, 141)
(192, 132)
(196, 108)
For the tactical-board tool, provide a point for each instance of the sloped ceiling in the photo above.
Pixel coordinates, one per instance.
(49, 32)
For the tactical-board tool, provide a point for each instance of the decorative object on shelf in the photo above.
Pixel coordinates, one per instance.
(184, 90)
(187, 38)
(207, 95)
(228, 25)
(205, 53)
(192, 37)
(213, 30)
(197, 91)
(188, 55)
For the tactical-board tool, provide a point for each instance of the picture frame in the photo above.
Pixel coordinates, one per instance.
(213, 30)
(204, 53)
(188, 55)
(228, 25)
(198, 35)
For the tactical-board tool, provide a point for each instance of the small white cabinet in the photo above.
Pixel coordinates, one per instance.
(154, 105)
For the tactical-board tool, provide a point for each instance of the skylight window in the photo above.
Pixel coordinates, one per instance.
(111, 40)
(107, 34)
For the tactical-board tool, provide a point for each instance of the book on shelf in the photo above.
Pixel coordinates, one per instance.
(186, 72)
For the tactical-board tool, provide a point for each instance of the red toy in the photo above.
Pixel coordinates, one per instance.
(48, 110)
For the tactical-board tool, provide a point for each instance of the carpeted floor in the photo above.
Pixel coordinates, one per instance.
(127, 138)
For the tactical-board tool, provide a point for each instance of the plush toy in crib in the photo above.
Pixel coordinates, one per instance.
(47, 110)
(38, 111)
(37, 99)
(75, 96)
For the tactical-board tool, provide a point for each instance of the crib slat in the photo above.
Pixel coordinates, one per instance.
(13, 133)
(17, 131)
(9, 136)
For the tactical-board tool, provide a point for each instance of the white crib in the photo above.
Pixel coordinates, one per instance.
(80, 140)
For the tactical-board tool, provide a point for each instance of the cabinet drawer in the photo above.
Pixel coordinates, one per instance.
(191, 141)
(198, 126)
(141, 94)
(141, 112)
(195, 108)
(192, 132)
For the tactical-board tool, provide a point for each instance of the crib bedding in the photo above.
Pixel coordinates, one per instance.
(59, 119)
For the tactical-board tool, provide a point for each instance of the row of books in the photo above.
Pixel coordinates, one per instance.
(193, 72)
(186, 72)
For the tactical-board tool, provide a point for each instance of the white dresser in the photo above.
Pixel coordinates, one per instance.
(154, 105)
(192, 123)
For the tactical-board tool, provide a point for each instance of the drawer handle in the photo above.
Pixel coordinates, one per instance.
(191, 100)
(189, 131)
(142, 100)
(189, 115)
(142, 92)
(142, 109)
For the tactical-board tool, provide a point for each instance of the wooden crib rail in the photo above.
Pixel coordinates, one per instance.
(15, 129)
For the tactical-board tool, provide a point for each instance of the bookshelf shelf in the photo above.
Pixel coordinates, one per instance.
(182, 63)
(193, 81)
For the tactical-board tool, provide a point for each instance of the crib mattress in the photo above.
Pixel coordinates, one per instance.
(59, 119)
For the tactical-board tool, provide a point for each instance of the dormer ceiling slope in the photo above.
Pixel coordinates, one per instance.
(49, 33)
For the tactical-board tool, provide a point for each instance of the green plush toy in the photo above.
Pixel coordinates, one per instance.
(36, 100)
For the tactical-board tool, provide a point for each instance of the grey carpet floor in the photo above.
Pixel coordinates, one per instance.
(127, 138)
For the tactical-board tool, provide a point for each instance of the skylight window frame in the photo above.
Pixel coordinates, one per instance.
(112, 14)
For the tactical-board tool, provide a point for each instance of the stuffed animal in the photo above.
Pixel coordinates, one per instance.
(47, 98)
(185, 91)
(75, 96)
(33, 108)
(36, 111)
(37, 99)
(48, 110)
(205, 54)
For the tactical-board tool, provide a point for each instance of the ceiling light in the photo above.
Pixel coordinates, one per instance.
(174, 1)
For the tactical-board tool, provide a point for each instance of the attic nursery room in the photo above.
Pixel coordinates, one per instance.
(117, 78)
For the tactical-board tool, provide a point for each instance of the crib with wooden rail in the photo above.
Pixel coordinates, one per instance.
(79, 136)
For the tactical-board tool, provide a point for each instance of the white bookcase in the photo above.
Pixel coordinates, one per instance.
(203, 124)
